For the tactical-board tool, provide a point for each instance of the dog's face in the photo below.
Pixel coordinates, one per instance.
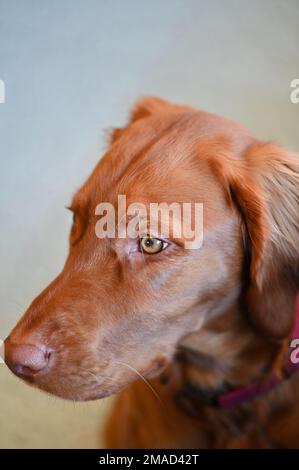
(121, 305)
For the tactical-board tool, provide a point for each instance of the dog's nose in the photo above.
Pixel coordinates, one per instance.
(26, 360)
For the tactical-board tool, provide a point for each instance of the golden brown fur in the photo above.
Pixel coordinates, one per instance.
(229, 305)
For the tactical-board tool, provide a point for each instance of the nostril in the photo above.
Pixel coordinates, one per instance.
(26, 359)
(48, 355)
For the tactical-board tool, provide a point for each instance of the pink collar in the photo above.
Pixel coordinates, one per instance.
(240, 395)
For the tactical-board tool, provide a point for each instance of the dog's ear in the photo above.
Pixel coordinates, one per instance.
(264, 186)
(144, 108)
(147, 106)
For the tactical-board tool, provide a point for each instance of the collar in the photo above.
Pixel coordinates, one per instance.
(230, 397)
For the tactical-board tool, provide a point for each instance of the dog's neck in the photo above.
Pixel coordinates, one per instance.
(228, 351)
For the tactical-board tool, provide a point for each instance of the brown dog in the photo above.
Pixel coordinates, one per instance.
(204, 321)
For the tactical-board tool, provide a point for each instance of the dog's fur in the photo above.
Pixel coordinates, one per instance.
(229, 306)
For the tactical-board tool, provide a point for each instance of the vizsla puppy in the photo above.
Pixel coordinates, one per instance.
(212, 325)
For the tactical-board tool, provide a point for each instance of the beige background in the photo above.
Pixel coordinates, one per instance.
(73, 69)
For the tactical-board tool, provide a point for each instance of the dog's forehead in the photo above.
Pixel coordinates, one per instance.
(158, 155)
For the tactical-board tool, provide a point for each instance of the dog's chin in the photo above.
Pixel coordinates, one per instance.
(74, 393)
(79, 396)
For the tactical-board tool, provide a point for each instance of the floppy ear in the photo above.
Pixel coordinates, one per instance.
(144, 107)
(264, 187)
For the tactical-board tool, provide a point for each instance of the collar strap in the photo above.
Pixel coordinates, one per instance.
(238, 396)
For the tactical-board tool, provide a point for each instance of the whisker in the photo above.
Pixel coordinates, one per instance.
(97, 376)
(142, 378)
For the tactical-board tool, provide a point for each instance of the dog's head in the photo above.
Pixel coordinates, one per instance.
(122, 304)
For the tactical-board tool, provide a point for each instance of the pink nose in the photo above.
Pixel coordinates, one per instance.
(25, 360)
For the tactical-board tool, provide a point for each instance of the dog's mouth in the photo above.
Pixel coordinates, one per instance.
(77, 380)
(108, 387)
(74, 392)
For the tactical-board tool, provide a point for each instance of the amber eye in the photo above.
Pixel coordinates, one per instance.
(152, 245)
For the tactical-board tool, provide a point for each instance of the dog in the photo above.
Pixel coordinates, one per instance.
(195, 340)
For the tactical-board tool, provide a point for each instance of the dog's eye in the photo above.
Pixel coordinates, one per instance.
(152, 245)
